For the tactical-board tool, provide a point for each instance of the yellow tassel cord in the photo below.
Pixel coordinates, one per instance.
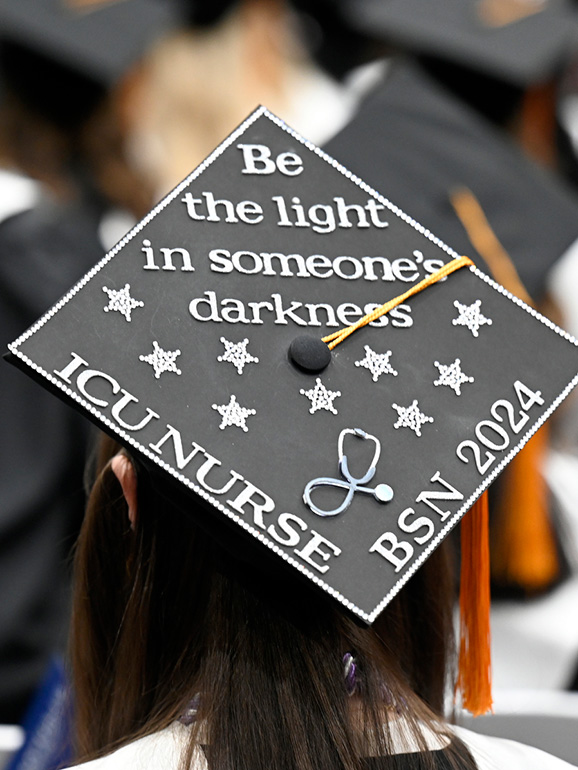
(334, 339)
(523, 545)
(475, 664)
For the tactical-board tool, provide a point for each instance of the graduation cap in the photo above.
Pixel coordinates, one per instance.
(520, 41)
(216, 342)
(97, 38)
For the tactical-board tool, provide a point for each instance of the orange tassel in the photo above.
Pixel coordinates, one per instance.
(536, 126)
(486, 243)
(524, 549)
(475, 664)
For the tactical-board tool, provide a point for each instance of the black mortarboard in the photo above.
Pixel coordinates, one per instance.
(520, 41)
(97, 38)
(418, 144)
(185, 342)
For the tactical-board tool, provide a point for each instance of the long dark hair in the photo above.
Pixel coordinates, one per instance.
(160, 616)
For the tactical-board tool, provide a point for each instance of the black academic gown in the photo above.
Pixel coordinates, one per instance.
(42, 451)
(415, 143)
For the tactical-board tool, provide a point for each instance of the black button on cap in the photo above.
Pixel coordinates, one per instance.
(309, 353)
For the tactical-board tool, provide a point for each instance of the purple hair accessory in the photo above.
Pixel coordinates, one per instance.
(189, 716)
(349, 671)
(351, 682)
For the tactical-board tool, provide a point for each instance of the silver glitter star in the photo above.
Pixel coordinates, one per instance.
(236, 354)
(470, 316)
(162, 360)
(233, 414)
(411, 417)
(321, 397)
(121, 301)
(377, 363)
(452, 375)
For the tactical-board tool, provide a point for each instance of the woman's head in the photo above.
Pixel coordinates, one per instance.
(163, 613)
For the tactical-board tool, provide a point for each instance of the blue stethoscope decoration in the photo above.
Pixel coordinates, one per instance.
(383, 493)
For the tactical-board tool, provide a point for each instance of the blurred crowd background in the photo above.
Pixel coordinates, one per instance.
(464, 113)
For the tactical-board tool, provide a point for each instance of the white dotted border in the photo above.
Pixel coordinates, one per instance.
(262, 111)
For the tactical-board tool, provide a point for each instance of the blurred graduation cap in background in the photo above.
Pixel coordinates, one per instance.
(98, 38)
(504, 58)
(520, 41)
(60, 57)
(236, 343)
